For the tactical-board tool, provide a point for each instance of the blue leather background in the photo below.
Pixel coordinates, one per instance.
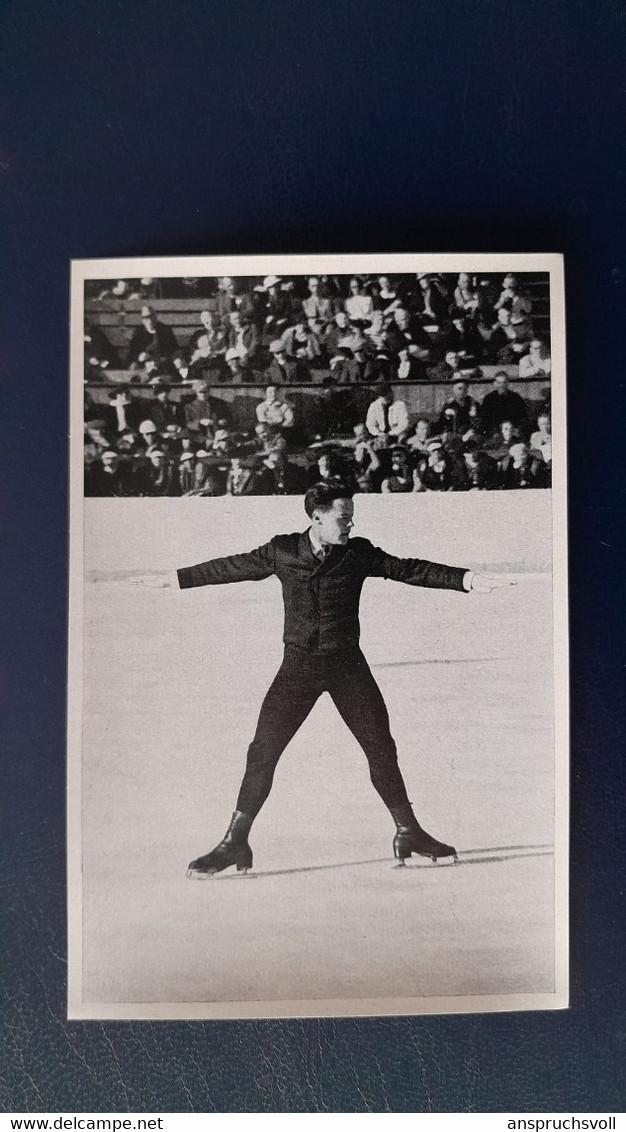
(286, 126)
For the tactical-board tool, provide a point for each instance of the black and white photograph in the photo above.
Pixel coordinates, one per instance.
(318, 637)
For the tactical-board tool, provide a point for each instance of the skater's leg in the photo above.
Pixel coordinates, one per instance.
(361, 705)
(289, 700)
(291, 696)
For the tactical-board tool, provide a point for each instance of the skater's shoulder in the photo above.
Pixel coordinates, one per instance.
(287, 542)
(361, 545)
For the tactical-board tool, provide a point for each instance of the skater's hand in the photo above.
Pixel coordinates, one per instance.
(485, 583)
(155, 581)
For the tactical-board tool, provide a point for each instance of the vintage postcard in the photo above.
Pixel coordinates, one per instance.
(318, 700)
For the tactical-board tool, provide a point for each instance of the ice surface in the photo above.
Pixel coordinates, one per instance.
(173, 683)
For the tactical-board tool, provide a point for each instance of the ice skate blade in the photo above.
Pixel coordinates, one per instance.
(241, 874)
(433, 862)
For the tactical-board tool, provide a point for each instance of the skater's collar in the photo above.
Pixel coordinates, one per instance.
(320, 550)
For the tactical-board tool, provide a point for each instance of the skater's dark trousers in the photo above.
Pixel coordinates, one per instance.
(298, 684)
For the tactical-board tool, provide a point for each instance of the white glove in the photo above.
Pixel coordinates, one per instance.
(485, 583)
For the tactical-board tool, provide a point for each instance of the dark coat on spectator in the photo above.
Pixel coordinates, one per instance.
(162, 343)
(499, 407)
(163, 413)
(103, 484)
(414, 335)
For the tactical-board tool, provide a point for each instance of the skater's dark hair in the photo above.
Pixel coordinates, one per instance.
(321, 496)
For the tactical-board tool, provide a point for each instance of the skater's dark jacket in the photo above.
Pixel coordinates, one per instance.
(321, 598)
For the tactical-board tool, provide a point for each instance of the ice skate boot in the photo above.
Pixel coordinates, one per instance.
(411, 838)
(233, 849)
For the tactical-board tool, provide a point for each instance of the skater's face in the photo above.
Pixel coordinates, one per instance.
(333, 526)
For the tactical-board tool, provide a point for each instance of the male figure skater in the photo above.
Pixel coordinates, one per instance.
(322, 571)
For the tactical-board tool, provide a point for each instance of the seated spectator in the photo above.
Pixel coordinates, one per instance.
(387, 298)
(408, 367)
(225, 302)
(462, 337)
(163, 409)
(366, 460)
(170, 439)
(376, 333)
(513, 298)
(402, 477)
(359, 305)
(223, 440)
(433, 300)
(277, 307)
(187, 441)
(541, 440)
(503, 404)
(97, 439)
(536, 363)
(233, 295)
(499, 444)
(242, 337)
(246, 479)
(339, 328)
(205, 363)
(106, 476)
(481, 469)
(509, 338)
(301, 343)
(441, 472)
(466, 294)
(148, 432)
(156, 477)
(274, 411)
(100, 354)
(475, 431)
(418, 440)
(186, 470)
(151, 337)
(180, 367)
(387, 418)
(456, 415)
(406, 333)
(283, 477)
(520, 470)
(199, 411)
(488, 292)
(452, 365)
(381, 370)
(497, 335)
(318, 307)
(350, 364)
(328, 466)
(237, 372)
(268, 439)
(205, 330)
(128, 443)
(281, 368)
(209, 475)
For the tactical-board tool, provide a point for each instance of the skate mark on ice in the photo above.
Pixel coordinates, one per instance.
(466, 857)
(441, 660)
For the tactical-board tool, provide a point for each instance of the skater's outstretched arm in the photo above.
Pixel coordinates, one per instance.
(253, 566)
(419, 572)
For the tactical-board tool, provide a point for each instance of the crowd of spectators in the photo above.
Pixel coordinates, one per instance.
(165, 446)
(179, 437)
